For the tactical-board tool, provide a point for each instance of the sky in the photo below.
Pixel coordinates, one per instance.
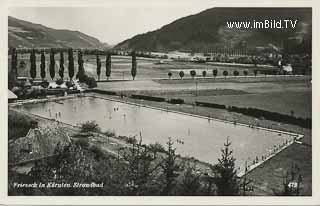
(111, 23)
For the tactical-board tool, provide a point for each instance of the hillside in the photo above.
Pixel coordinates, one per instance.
(207, 30)
(26, 34)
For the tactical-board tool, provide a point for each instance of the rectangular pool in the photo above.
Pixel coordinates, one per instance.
(194, 136)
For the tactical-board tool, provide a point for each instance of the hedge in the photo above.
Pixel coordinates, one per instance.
(176, 101)
(212, 105)
(149, 98)
(104, 92)
(258, 113)
(306, 123)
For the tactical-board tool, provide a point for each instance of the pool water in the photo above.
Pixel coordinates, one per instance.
(193, 136)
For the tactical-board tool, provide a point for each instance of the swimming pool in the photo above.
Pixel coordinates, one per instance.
(194, 136)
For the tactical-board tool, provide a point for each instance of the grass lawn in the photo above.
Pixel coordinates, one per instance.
(282, 102)
(268, 177)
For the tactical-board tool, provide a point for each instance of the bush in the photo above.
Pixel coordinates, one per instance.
(212, 105)
(97, 151)
(176, 101)
(82, 142)
(90, 126)
(109, 133)
(69, 84)
(149, 98)
(90, 81)
(59, 81)
(104, 92)
(44, 84)
(156, 147)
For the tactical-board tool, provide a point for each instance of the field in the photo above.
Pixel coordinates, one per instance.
(278, 96)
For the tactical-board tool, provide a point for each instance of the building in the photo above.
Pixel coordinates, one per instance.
(11, 96)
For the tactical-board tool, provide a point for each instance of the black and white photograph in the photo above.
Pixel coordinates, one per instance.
(167, 99)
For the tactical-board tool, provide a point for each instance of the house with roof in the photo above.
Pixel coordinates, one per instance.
(11, 96)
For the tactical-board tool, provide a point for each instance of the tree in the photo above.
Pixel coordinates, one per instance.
(193, 73)
(235, 73)
(98, 67)
(81, 73)
(134, 65)
(22, 64)
(71, 64)
(69, 164)
(215, 73)
(169, 75)
(292, 113)
(43, 66)
(181, 74)
(61, 70)
(52, 64)
(140, 172)
(170, 169)
(265, 72)
(14, 71)
(225, 74)
(255, 72)
(245, 72)
(14, 62)
(226, 179)
(108, 66)
(204, 73)
(190, 183)
(33, 66)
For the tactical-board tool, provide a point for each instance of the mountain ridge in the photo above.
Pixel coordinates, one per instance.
(23, 33)
(207, 29)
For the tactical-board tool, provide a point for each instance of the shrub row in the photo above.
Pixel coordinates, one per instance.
(211, 105)
(258, 113)
(303, 122)
(176, 101)
(149, 98)
(73, 91)
(104, 92)
(58, 92)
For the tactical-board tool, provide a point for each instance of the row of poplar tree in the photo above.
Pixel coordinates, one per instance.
(71, 67)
